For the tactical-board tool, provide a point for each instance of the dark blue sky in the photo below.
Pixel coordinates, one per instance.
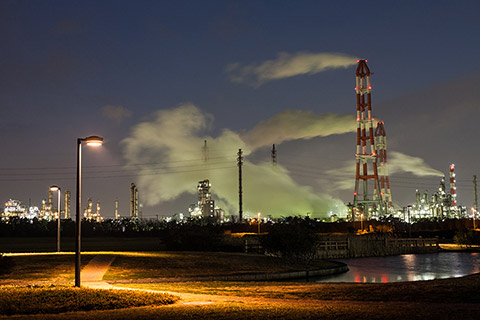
(63, 62)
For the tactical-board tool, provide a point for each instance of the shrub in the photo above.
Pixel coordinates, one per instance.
(295, 242)
(467, 237)
(52, 299)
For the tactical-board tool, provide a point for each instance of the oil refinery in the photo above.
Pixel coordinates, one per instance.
(372, 196)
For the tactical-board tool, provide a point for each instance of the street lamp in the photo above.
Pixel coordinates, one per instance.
(258, 222)
(57, 188)
(94, 141)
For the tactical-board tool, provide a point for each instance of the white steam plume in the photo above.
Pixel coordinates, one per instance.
(400, 162)
(173, 138)
(297, 124)
(397, 163)
(288, 65)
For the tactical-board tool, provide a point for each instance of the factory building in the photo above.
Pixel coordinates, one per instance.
(15, 208)
(133, 201)
(440, 204)
(205, 206)
(67, 214)
(89, 214)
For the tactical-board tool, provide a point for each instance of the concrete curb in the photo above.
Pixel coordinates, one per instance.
(249, 277)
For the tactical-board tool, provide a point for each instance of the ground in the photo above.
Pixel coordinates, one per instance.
(437, 299)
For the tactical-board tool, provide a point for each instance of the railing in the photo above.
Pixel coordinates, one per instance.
(346, 247)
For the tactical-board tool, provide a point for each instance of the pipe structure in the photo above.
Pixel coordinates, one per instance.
(365, 156)
(453, 185)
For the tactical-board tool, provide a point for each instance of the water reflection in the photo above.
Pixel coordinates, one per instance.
(408, 267)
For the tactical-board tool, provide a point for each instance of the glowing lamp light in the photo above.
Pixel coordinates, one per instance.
(94, 141)
(54, 188)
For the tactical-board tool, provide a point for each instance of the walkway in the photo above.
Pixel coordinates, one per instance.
(92, 274)
(92, 277)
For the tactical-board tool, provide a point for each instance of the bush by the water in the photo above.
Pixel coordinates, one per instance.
(52, 299)
(295, 241)
(467, 237)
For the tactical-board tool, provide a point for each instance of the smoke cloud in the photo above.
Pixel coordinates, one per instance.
(297, 124)
(116, 113)
(167, 151)
(288, 65)
(400, 162)
(397, 163)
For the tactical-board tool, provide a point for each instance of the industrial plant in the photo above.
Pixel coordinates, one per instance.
(205, 207)
(372, 197)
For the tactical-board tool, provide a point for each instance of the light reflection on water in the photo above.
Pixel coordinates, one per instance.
(408, 267)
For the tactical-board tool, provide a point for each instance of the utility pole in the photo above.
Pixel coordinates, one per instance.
(239, 164)
(205, 151)
(274, 156)
(475, 204)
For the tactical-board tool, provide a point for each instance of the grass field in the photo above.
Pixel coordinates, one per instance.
(437, 299)
(199, 264)
(59, 299)
(461, 290)
(49, 268)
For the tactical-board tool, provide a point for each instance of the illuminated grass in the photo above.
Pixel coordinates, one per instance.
(51, 299)
(460, 290)
(42, 267)
(269, 310)
(198, 264)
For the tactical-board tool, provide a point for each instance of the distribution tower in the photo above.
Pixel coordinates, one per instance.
(381, 149)
(367, 196)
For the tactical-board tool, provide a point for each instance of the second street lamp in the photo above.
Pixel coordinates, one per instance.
(57, 188)
(90, 141)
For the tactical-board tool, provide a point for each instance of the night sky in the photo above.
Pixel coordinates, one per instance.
(157, 78)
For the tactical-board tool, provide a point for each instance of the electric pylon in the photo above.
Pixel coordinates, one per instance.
(381, 149)
(366, 156)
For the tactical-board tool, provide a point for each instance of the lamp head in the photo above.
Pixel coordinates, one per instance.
(54, 188)
(94, 141)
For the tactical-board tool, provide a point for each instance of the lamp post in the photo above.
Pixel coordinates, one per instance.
(91, 141)
(57, 188)
(258, 220)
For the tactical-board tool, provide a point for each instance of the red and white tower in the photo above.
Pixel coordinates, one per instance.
(366, 176)
(381, 148)
(453, 187)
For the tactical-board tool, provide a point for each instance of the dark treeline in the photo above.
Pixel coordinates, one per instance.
(293, 238)
(127, 227)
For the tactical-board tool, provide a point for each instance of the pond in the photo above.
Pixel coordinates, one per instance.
(407, 267)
